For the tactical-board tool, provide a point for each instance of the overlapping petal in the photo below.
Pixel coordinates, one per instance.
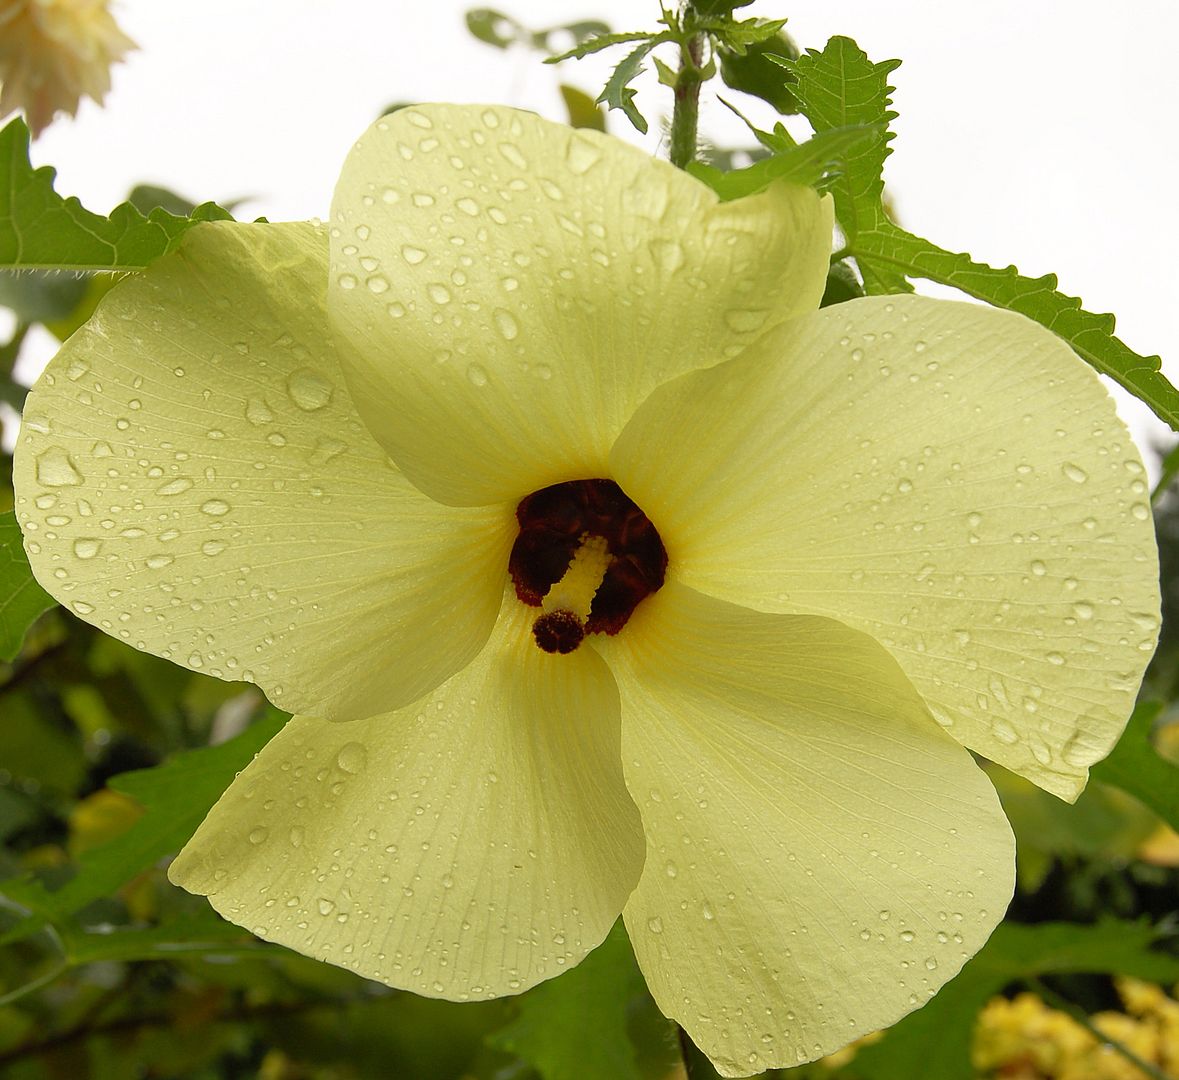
(950, 479)
(468, 846)
(512, 289)
(822, 857)
(192, 477)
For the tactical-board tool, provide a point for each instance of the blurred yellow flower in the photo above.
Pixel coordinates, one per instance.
(55, 52)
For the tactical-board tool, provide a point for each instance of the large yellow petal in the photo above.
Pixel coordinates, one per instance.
(469, 846)
(947, 477)
(513, 288)
(192, 477)
(821, 856)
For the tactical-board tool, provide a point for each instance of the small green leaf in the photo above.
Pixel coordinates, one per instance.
(739, 36)
(493, 27)
(575, 1027)
(889, 249)
(21, 598)
(618, 93)
(751, 71)
(582, 110)
(42, 231)
(176, 796)
(808, 163)
(604, 41)
(1135, 766)
(935, 1040)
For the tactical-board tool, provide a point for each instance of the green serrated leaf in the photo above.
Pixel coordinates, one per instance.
(839, 87)
(1135, 766)
(618, 93)
(176, 796)
(42, 231)
(888, 249)
(575, 1027)
(22, 600)
(605, 41)
(935, 1040)
(492, 27)
(808, 163)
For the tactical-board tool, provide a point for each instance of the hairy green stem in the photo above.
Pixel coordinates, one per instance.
(1051, 997)
(686, 112)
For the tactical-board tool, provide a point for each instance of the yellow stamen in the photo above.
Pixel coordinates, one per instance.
(575, 591)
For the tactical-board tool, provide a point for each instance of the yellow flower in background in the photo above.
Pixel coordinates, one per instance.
(632, 582)
(53, 53)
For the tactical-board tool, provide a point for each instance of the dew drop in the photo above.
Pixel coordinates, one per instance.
(308, 389)
(1074, 472)
(505, 323)
(174, 487)
(325, 906)
(258, 412)
(55, 468)
(655, 925)
(352, 758)
(215, 507)
(745, 322)
(158, 562)
(440, 294)
(258, 835)
(511, 153)
(212, 547)
(86, 548)
(412, 255)
(476, 375)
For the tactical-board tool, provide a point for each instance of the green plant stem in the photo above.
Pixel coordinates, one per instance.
(1051, 997)
(686, 112)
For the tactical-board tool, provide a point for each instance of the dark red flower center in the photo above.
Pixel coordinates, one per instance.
(555, 523)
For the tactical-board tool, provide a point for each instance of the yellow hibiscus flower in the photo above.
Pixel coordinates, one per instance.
(638, 584)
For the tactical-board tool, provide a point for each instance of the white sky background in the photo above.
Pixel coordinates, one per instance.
(1039, 132)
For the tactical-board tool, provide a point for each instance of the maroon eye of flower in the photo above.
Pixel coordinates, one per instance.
(588, 556)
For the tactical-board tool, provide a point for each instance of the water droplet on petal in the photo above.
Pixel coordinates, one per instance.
(352, 758)
(1074, 472)
(505, 323)
(174, 487)
(55, 468)
(308, 389)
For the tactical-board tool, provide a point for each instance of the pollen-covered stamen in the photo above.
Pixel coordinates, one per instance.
(563, 530)
(567, 604)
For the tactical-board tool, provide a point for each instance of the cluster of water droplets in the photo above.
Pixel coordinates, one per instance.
(181, 467)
